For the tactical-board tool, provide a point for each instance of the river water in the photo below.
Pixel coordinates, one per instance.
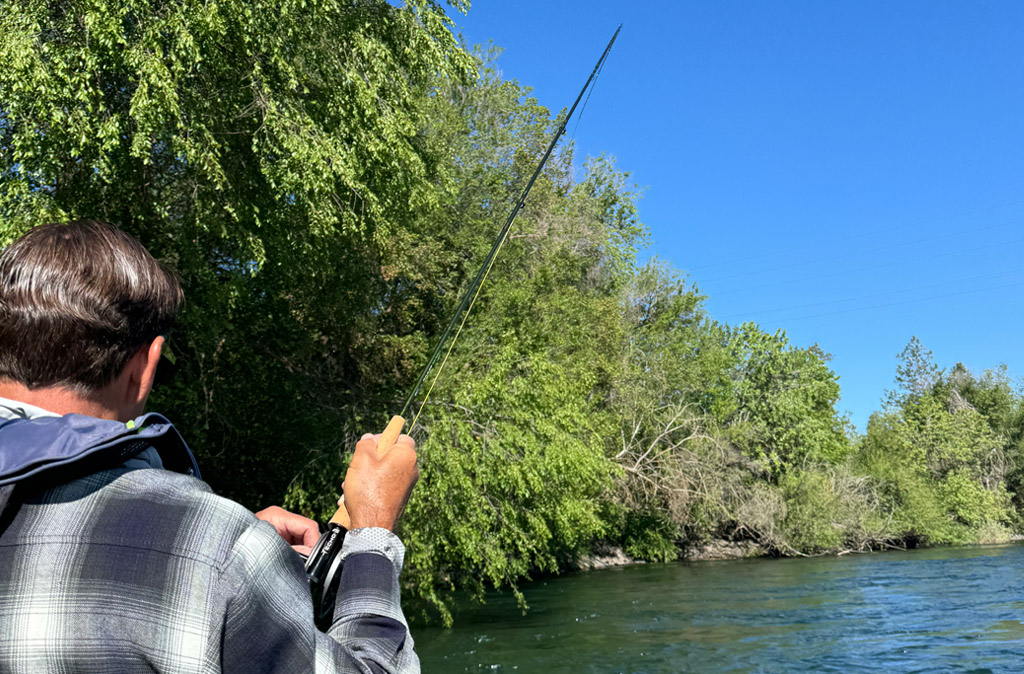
(938, 610)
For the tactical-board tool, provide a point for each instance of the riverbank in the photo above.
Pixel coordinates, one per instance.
(609, 556)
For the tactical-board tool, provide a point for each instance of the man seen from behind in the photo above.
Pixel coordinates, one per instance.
(114, 556)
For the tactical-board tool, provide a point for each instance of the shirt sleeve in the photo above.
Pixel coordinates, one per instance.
(268, 613)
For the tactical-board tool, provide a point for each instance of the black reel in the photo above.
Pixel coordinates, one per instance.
(323, 566)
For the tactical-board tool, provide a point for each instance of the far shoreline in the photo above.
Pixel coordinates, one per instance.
(610, 556)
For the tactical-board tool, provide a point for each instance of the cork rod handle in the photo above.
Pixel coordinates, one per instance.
(384, 443)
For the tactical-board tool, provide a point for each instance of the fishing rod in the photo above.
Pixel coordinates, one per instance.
(323, 566)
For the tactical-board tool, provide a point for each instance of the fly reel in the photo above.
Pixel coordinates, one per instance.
(323, 566)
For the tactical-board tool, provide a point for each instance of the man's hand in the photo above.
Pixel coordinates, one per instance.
(297, 531)
(377, 489)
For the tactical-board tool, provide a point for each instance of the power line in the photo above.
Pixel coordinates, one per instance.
(980, 277)
(884, 265)
(821, 259)
(862, 234)
(918, 300)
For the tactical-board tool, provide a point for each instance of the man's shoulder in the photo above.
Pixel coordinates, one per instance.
(149, 509)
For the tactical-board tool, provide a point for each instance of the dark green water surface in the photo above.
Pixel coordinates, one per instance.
(940, 610)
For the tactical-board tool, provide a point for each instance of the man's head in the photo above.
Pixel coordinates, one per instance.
(79, 302)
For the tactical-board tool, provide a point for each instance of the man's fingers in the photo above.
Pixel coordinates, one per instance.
(367, 446)
(311, 535)
(294, 529)
(301, 530)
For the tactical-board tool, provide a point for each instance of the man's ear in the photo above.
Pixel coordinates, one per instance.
(142, 373)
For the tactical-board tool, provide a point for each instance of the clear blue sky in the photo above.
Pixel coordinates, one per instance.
(851, 172)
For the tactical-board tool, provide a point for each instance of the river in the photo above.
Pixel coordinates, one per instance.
(937, 610)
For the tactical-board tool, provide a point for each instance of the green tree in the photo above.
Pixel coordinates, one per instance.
(268, 150)
(785, 413)
(916, 373)
(674, 468)
(940, 462)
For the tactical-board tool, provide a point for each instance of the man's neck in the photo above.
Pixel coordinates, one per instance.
(59, 400)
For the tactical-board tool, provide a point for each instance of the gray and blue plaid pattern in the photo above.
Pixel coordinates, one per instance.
(148, 571)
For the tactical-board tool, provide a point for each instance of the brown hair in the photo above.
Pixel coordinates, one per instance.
(77, 301)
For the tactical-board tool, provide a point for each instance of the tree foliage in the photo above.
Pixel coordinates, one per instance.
(268, 151)
(940, 462)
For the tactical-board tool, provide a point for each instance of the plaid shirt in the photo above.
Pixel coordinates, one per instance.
(142, 570)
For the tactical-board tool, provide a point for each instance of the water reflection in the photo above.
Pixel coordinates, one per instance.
(956, 609)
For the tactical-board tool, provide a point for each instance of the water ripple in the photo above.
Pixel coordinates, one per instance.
(944, 610)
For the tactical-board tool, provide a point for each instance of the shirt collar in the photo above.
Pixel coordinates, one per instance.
(15, 409)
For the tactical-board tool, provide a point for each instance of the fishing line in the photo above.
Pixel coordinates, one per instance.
(469, 298)
(583, 110)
